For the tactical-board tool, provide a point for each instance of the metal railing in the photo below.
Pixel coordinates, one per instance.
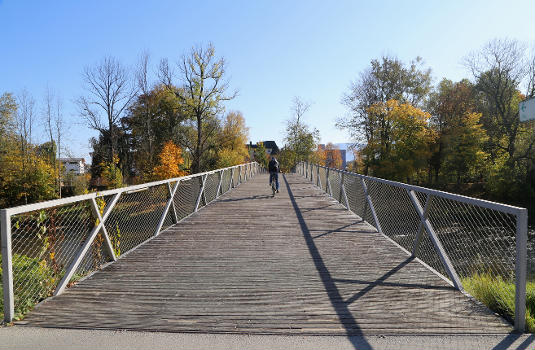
(50, 245)
(453, 235)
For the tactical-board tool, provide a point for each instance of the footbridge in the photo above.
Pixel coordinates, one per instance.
(333, 253)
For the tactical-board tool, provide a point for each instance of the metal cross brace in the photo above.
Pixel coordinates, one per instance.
(170, 203)
(436, 242)
(80, 254)
(201, 192)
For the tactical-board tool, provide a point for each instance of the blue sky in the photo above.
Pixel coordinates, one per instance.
(275, 50)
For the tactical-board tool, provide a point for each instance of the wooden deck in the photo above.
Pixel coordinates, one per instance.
(248, 263)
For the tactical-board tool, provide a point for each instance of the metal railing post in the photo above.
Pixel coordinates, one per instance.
(318, 180)
(7, 266)
(520, 270)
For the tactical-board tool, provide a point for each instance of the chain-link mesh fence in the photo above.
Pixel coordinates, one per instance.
(47, 240)
(478, 238)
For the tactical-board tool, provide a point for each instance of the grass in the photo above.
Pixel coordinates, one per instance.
(499, 296)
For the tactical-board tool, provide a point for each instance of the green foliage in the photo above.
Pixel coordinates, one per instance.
(499, 296)
(287, 159)
(33, 281)
(260, 155)
(300, 140)
(112, 176)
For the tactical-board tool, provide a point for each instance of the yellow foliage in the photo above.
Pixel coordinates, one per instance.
(233, 141)
(329, 155)
(170, 162)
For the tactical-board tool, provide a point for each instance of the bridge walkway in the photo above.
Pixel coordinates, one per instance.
(298, 263)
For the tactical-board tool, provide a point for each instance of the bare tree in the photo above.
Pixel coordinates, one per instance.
(25, 120)
(142, 80)
(299, 108)
(201, 93)
(109, 91)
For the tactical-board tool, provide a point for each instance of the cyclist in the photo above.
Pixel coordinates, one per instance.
(273, 168)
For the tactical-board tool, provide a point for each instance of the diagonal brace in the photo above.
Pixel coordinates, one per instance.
(372, 208)
(219, 184)
(436, 242)
(418, 237)
(85, 247)
(201, 192)
(170, 203)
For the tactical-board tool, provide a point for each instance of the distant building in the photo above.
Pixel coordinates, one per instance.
(74, 165)
(270, 146)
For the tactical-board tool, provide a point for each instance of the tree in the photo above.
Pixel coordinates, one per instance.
(286, 159)
(153, 119)
(300, 140)
(8, 112)
(25, 119)
(261, 155)
(233, 139)
(386, 79)
(407, 149)
(498, 69)
(170, 162)
(201, 94)
(450, 106)
(330, 156)
(109, 92)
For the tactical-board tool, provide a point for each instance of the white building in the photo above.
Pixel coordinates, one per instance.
(74, 165)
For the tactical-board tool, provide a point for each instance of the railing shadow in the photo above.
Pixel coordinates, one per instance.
(339, 229)
(511, 338)
(344, 314)
(264, 196)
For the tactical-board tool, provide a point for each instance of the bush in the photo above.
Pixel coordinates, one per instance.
(499, 296)
(33, 281)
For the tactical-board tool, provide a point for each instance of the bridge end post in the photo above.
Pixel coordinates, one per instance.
(520, 270)
(7, 266)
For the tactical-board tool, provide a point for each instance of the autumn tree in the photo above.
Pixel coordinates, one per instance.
(386, 79)
(500, 69)
(170, 162)
(233, 139)
(452, 107)
(201, 93)
(330, 156)
(406, 150)
(153, 118)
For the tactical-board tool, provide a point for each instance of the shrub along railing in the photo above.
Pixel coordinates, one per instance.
(473, 242)
(47, 246)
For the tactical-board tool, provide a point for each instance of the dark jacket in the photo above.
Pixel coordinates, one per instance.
(273, 166)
